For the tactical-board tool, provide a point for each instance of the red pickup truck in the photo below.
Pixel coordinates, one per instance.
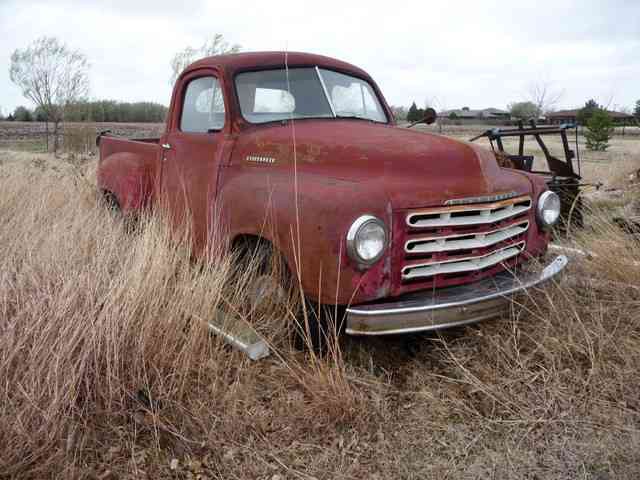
(409, 231)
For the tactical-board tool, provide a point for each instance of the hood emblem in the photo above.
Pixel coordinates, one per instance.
(260, 159)
(482, 199)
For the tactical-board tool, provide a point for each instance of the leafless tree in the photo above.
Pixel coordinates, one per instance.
(544, 95)
(436, 102)
(215, 45)
(439, 105)
(608, 100)
(623, 109)
(52, 76)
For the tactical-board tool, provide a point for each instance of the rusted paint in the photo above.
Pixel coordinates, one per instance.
(343, 168)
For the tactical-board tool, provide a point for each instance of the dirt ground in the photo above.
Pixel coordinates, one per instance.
(550, 391)
(30, 136)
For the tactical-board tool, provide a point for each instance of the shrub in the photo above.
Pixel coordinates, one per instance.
(22, 114)
(599, 131)
(413, 115)
(585, 113)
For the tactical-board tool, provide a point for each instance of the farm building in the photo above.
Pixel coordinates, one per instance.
(468, 115)
(569, 116)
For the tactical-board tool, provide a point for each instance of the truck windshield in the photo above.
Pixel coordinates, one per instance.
(272, 95)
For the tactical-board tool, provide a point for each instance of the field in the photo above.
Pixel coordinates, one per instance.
(107, 370)
(31, 137)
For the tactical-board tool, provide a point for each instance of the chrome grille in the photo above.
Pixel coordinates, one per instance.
(456, 241)
(469, 215)
(460, 265)
(450, 243)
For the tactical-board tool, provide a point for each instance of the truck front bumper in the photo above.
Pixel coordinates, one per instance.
(447, 307)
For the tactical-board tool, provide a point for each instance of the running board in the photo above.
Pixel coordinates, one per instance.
(239, 334)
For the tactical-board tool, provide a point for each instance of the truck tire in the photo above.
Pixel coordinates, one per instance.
(111, 203)
(273, 282)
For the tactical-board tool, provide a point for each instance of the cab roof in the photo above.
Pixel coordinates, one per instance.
(234, 62)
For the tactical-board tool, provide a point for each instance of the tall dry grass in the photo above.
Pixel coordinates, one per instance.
(107, 371)
(102, 332)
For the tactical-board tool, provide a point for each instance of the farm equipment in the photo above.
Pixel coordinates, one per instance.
(561, 176)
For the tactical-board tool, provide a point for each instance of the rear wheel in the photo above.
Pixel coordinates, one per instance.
(111, 203)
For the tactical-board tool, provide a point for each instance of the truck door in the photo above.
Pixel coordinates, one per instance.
(191, 154)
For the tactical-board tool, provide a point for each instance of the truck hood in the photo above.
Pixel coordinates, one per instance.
(412, 168)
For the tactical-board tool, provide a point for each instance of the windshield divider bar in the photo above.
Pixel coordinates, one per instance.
(326, 94)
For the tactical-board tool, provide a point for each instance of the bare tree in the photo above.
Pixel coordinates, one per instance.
(436, 102)
(215, 45)
(608, 100)
(544, 96)
(439, 105)
(52, 76)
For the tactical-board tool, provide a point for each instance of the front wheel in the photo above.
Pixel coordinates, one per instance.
(270, 290)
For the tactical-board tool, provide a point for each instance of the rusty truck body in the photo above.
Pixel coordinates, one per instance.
(409, 231)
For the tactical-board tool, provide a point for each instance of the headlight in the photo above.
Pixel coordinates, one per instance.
(366, 240)
(548, 209)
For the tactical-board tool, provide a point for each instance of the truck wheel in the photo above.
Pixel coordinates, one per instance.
(111, 203)
(272, 285)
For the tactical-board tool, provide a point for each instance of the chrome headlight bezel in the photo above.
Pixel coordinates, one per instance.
(352, 239)
(543, 200)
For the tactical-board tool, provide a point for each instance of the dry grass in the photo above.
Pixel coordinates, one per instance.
(106, 371)
(99, 340)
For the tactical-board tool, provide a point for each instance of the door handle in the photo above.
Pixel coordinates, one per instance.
(165, 147)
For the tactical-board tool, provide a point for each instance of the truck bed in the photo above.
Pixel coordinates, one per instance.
(129, 169)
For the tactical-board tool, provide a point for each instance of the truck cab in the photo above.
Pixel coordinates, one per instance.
(408, 231)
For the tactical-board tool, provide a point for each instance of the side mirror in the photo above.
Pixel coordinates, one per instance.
(429, 117)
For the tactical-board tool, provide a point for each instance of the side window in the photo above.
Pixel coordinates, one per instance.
(203, 107)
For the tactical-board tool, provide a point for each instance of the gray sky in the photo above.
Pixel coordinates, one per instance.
(473, 53)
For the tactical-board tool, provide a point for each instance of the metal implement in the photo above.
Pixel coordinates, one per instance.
(448, 307)
(561, 175)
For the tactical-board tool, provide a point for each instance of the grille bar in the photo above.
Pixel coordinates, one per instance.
(450, 243)
(469, 215)
(468, 264)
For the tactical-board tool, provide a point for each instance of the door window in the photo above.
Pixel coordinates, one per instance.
(203, 107)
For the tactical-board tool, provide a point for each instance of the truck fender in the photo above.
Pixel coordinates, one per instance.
(126, 176)
(326, 273)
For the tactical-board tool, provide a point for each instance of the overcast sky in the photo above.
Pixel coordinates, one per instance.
(454, 53)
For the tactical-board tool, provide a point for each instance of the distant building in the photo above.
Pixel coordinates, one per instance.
(569, 116)
(484, 115)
